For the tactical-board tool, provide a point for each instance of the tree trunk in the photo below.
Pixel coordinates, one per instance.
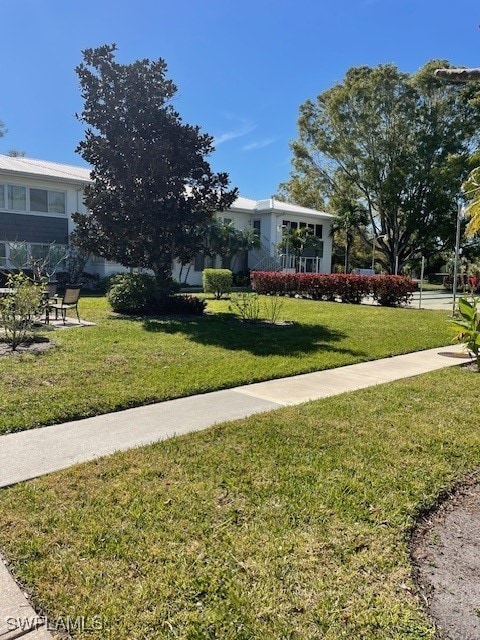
(163, 276)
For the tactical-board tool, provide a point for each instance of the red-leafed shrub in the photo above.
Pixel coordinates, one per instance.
(390, 291)
(352, 288)
(270, 282)
(386, 290)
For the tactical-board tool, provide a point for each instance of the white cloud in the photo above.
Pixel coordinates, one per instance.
(245, 128)
(259, 144)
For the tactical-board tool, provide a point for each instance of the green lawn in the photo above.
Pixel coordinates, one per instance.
(292, 524)
(127, 362)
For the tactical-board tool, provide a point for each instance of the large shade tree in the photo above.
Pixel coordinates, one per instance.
(401, 142)
(151, 182)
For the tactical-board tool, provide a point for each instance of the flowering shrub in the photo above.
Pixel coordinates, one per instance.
(386, 290)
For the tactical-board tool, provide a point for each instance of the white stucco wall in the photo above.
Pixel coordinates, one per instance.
(243, 213)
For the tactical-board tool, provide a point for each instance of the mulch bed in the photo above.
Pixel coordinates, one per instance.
(33, 346)
(446, 555)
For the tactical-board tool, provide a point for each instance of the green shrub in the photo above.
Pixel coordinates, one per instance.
(132, 293)
(19, 307)
(468, 326)
(182, 305)
(217, 281)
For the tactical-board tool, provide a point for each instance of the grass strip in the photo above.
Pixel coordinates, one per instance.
(292, 524)
(125, 362)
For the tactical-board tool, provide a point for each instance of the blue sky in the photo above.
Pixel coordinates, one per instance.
(242, 68)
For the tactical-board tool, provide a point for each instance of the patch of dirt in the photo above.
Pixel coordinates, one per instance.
(446, 556)
(36, 346)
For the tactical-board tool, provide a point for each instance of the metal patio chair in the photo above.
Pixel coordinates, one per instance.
(68, 301)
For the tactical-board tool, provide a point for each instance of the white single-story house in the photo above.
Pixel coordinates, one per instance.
(37, 199)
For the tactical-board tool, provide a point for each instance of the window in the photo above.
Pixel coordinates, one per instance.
(257, 225)
(227, 221)
(38, 200)
(18, 254)
(16, 198)
(50, 255)
(47, 201)
(19, 198)
(56, 202)
(316, 229)
(39, 251)
(3, 254)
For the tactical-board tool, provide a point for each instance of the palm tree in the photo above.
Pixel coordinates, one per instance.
(350, 217)
(472, 211)
(246, 239)
(225, 240)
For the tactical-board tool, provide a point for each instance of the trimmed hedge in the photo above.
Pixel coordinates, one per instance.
(217, 281)
(386, 290)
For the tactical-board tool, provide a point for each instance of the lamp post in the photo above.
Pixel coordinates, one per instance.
(457, 254)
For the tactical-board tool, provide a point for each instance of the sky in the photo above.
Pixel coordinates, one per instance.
(242, 67)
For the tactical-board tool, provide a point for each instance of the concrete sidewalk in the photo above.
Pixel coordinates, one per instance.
(28, 454)
(33, 453)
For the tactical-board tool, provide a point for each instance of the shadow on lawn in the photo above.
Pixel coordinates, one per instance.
(260, 339)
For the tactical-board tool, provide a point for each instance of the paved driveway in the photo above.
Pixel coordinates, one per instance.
(433, 300)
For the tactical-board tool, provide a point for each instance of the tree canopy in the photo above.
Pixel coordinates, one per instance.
(400, 144)
(151, 182)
